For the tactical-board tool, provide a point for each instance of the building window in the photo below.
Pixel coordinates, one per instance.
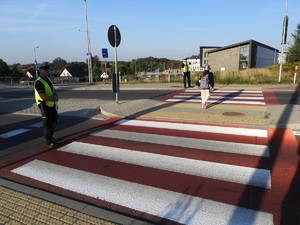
(244, 58)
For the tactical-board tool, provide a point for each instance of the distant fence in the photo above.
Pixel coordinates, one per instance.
(25, 81)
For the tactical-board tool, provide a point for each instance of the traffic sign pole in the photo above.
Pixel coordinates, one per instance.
(114, 38)
(116, 66)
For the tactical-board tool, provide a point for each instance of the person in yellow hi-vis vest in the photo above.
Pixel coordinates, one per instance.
(46, 98)
(186, 73)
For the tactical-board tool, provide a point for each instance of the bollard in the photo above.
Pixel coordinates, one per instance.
(295, 74)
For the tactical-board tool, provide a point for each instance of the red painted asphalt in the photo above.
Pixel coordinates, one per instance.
(220, 191)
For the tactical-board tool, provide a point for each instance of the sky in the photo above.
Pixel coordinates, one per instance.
(169, 29)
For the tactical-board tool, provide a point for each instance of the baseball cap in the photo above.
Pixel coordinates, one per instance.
(44, 65)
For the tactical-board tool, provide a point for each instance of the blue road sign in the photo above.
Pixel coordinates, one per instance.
(104, 53)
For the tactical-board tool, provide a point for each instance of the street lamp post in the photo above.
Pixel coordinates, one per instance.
(88, 46)
(35, 61)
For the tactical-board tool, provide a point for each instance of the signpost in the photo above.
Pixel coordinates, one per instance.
(114, 38)
(105, 56)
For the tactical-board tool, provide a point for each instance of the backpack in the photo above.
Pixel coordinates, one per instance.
(204, 82)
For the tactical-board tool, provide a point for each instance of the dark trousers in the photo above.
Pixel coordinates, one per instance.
(186, 76)
(50, 117)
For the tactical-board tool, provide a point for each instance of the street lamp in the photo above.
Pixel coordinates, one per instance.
(35, 62)
(88, 46)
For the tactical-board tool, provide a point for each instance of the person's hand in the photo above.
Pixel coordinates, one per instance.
(55, 98)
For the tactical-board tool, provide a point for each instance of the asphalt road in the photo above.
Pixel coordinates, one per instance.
(30, 126)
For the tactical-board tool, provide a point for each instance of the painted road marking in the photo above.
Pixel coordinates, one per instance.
(150, 168)
(219, 171)
(227, 91)
(37, 125)
(14, 133)
(218, 101)
(209, 145)
(296, 133)
(171, 205)
(20, 131)
(220, 97)
(196, 127)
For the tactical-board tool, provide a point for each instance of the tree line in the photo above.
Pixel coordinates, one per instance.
(131, 68)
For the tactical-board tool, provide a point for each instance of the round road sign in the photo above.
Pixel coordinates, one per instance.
(114, 36)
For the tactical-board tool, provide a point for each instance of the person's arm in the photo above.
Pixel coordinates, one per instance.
(41, 90)
(211, 80)
(48, 98)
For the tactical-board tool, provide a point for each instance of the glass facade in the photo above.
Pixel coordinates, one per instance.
(265, 57)
(244, 58)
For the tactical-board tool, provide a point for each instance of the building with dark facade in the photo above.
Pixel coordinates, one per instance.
(239, 56)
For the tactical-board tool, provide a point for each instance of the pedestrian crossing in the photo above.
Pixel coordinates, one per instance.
(246, 97)
(182, 173)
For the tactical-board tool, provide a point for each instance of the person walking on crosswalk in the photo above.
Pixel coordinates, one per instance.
(46, 98)
(206, 83)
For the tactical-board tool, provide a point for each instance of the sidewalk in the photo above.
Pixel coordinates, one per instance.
(20, 204)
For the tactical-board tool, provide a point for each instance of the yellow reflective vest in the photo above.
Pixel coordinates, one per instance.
(186, 67)
(48, 92)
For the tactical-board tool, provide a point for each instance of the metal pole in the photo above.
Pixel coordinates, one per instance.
(35, 61)
(88, 46)
(282, 42)
(116, 66)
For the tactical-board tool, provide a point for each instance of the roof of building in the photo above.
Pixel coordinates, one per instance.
(241, 44)
(75, 71)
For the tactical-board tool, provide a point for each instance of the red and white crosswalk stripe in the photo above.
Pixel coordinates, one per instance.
(180, 172)
(221, 97)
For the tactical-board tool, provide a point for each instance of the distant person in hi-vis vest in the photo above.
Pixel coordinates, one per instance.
(46, 98)
(186, 73)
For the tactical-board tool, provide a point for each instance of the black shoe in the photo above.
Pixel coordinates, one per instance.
(52, 143)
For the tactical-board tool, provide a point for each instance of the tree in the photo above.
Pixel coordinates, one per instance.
(293, 54)
(4, 69)
(57, 66)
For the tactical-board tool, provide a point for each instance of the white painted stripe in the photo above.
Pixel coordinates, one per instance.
(223, 94)
(296, 133)
(196, 127)
(37, 125)
(225, 91)
(173, 206)
(220, 97)
(219, 101)
(218, 171)
(207, 145)
(14, 133)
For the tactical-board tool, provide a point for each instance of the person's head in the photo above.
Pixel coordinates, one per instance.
(207, 67)
(44, 69)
